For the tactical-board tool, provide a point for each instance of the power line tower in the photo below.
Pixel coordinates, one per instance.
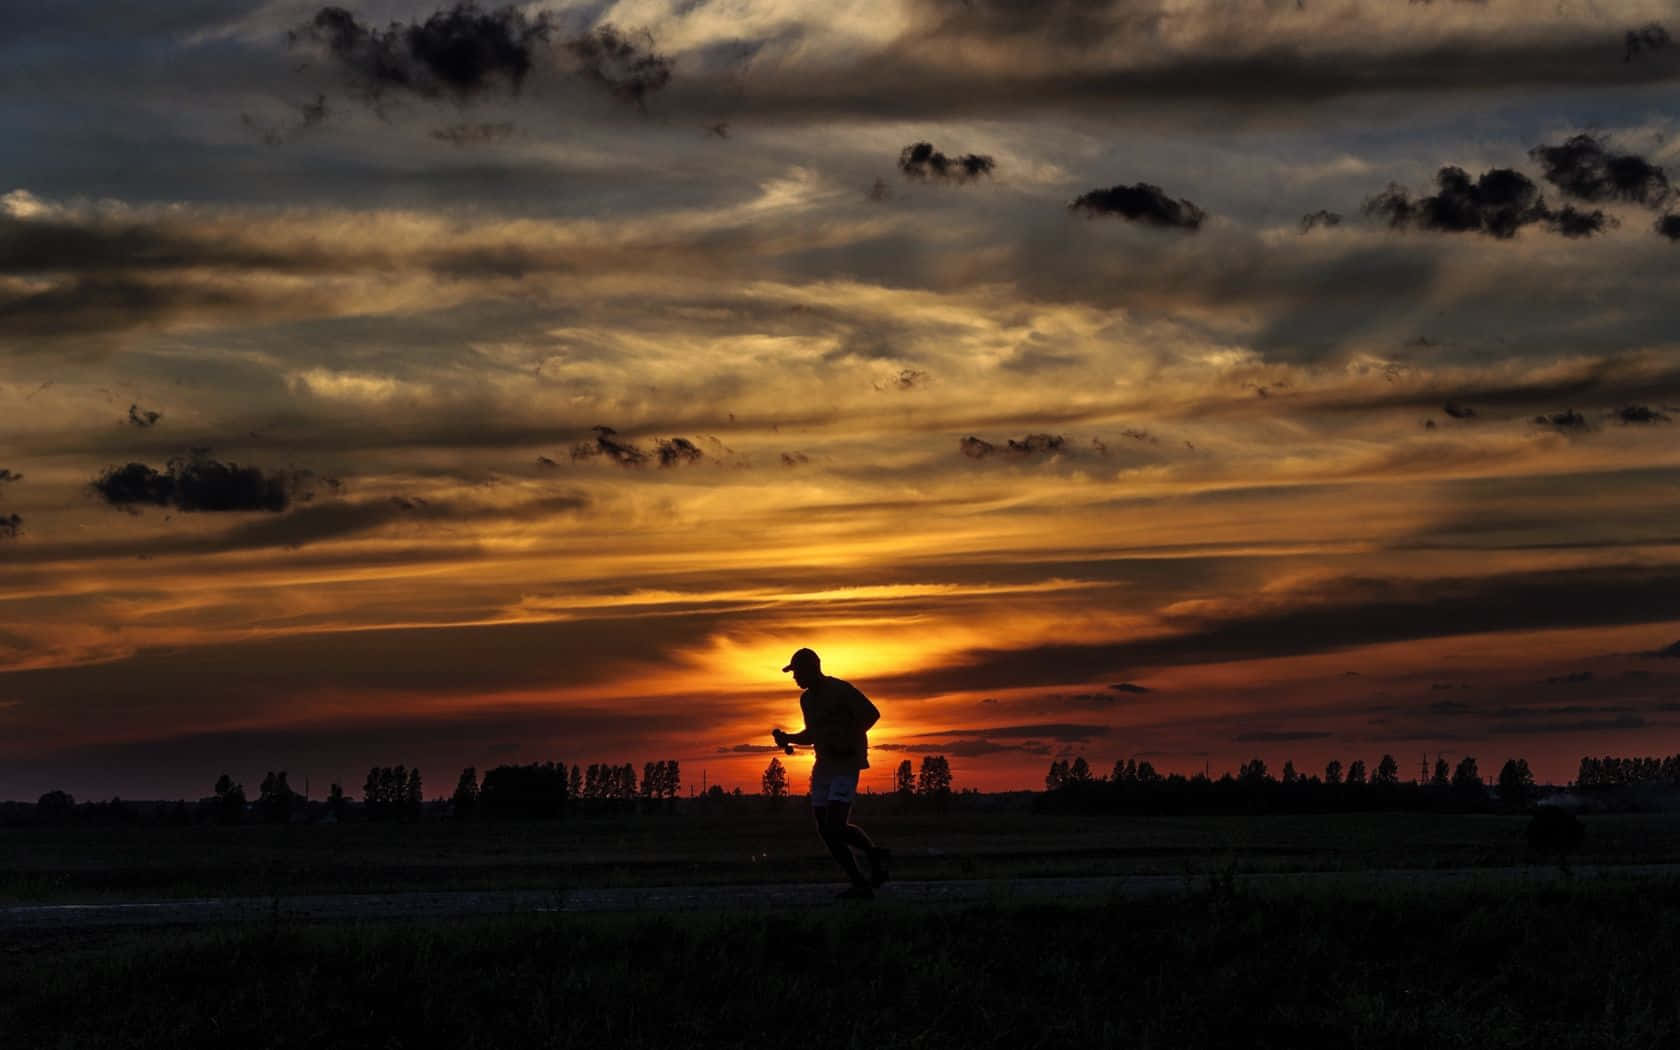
(1423, 768)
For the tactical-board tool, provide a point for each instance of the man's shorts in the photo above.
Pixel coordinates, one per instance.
(838, 786)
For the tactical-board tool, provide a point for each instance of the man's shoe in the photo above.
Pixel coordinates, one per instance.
(860, 892)
(879, 858)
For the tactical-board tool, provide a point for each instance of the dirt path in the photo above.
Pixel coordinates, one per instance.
(782, 896)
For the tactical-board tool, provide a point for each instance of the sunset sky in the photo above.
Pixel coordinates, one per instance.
(1177, 402)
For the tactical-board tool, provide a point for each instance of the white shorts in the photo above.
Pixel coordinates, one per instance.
(839, 786)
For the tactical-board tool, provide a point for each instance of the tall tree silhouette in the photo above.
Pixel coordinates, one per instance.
(230, 800)
(1388, 772)
(276, 799)
(1356, 771)
(934, 779)
(1057, 776)
(1467, 779)
(1516, 783)
(904, 778)
(1333, 772)
(774, 785)
(465, 800)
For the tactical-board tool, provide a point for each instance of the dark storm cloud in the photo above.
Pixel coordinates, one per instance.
(976, 748)
(1028, 446)
(98, 306)
(1336, 615)
(1569, 419)
(461, 52)
(607, 443)
(94, 246)
(9, 526)
(1313, 220)
(1669, 226)
(1278, 736)
(1650, 37)
(1064, 732)
(9, 475)
(1584, 168)
(306, 115)
(142, 419)
(1637, 414)
(1572, 678)
(1130, 687)
(922, 161)
(627, 70)
(1587, 725)
(1021, 57)
(1571, 221)
(674, 451)
(1498, 203)
(1143, 203)
(320, 522)
(473, 134)
(669, 452)
(1036, 445)
(175, 686)
(1607, 379)
(200, 484)
(1458, 411)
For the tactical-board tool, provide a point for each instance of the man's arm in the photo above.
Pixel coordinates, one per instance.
(806, 736)
(864, 713)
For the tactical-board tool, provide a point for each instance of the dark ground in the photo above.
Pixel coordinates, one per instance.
(1372, 930)
(1587, 964)
(114, 864)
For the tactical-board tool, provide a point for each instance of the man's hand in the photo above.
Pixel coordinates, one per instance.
(781, 740)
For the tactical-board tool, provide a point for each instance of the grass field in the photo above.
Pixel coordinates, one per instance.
(57, 865)
(1590, 965)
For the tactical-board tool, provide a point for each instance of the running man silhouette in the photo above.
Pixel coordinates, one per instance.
(837, 721)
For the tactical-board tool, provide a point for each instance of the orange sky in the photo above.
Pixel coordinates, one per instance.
(568, 414)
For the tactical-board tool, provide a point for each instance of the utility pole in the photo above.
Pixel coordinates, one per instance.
(1423, 768)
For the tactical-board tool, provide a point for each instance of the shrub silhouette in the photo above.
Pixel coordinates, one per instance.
(1555, 831)
(537, 790)
(55, 807)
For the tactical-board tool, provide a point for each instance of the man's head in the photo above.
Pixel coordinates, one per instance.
(806, 667)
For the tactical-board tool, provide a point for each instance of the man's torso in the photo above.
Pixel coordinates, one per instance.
(831, 710)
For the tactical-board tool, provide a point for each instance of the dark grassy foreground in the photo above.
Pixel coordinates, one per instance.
(92, 864)
(1585, 965)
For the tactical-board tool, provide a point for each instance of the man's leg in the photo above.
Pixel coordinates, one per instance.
(859, 839)
(831, 823)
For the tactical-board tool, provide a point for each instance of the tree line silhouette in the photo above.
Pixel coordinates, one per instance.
(932, 783)
(1136, 787)
(1624, 772)
(549, 790)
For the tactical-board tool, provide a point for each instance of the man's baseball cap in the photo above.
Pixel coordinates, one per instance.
(803, 658)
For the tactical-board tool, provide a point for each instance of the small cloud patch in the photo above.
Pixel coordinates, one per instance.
(921, 161)
(1141, 202)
